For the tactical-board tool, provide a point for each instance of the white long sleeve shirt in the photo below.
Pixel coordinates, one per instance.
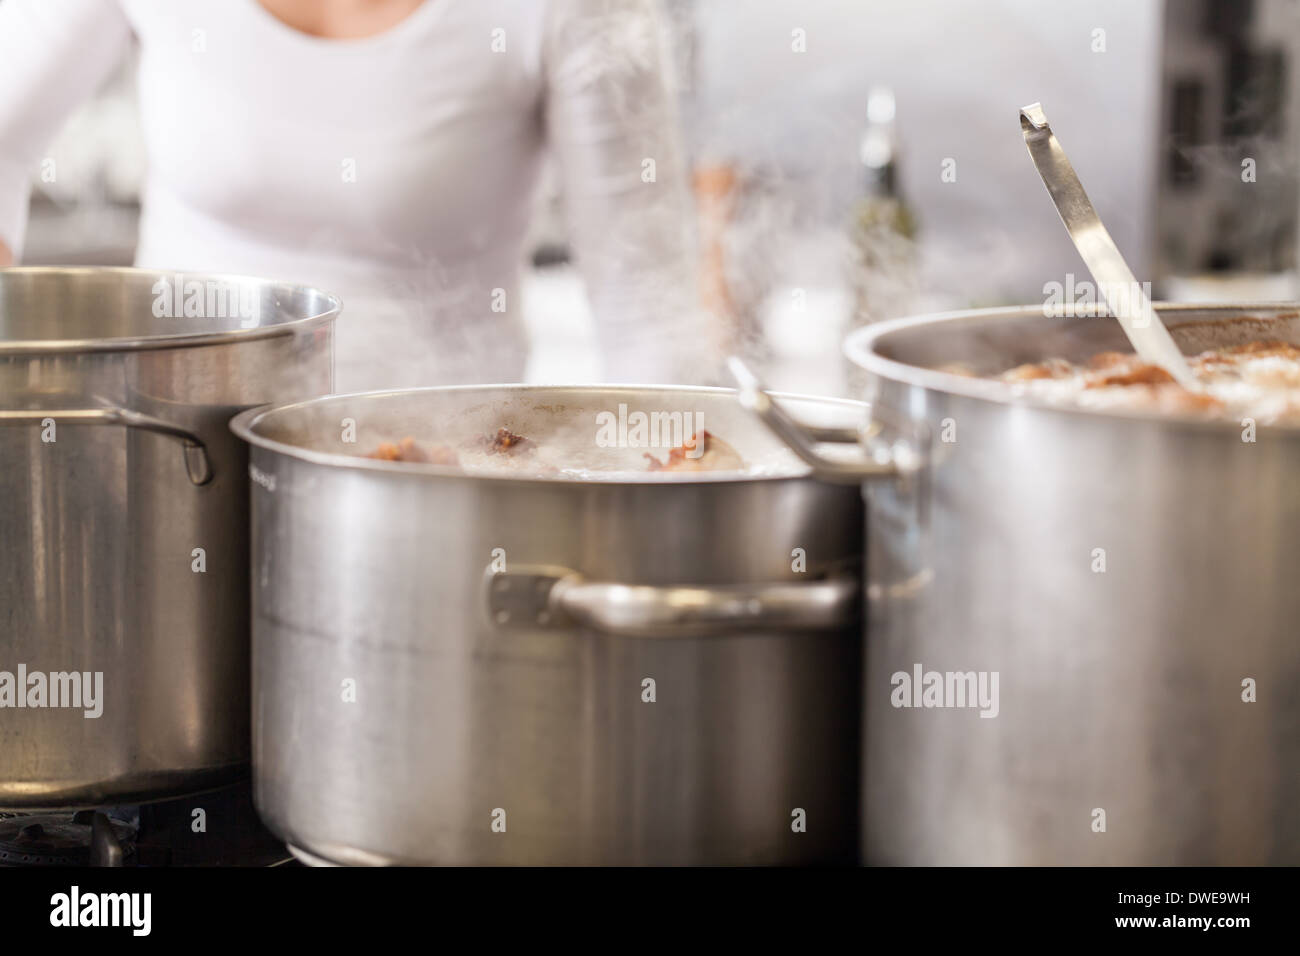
(395, 171)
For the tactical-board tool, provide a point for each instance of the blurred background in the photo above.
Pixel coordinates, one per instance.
(856, 160)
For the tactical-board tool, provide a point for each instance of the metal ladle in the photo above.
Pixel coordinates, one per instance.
(1115, 281)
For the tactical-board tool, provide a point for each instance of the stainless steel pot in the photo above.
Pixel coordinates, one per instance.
(453, 668)
(1127, 578)
(123, 514)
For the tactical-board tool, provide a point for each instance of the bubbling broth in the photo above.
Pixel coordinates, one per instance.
(506, 452)
(617, 434)
(1258, 380)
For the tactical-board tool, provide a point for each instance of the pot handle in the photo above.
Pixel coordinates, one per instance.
(803, 439)
(549, 597)
(197, 463)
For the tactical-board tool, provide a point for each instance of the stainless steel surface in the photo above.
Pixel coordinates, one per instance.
(1115, 280)
(559, 598)
(105, 849)
(395, 719)
(1120, 684)
(88, 310)
(802, 439)
(102, 526)
(197, 464)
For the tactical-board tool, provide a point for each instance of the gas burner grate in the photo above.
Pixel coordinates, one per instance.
(64, 839)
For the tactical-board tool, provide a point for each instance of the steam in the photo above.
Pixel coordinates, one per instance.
(1251, 220)
(613, 124)
(609, 118)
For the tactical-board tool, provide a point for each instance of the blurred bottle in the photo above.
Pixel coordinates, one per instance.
(883, 227)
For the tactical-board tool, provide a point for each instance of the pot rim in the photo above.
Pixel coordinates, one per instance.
(177, 339)
(245, 422)
(860, 349)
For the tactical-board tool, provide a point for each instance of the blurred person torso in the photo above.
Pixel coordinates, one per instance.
(395, 169)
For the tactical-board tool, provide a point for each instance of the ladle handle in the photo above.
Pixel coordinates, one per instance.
(1127, 299)
(803, 439)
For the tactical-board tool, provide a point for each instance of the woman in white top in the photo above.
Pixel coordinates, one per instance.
(387, 150)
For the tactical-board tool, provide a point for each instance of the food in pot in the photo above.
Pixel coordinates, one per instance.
(408, 449)
(505, 451)
(1052, 368)
(715, 455)
(1259, 380)
(506, 441)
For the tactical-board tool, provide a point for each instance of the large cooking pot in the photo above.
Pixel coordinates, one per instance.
(522, 669)
(123, 522)
(1128, 580)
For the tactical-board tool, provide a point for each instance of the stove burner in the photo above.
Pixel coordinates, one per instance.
(65, 839)
(164, 833)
